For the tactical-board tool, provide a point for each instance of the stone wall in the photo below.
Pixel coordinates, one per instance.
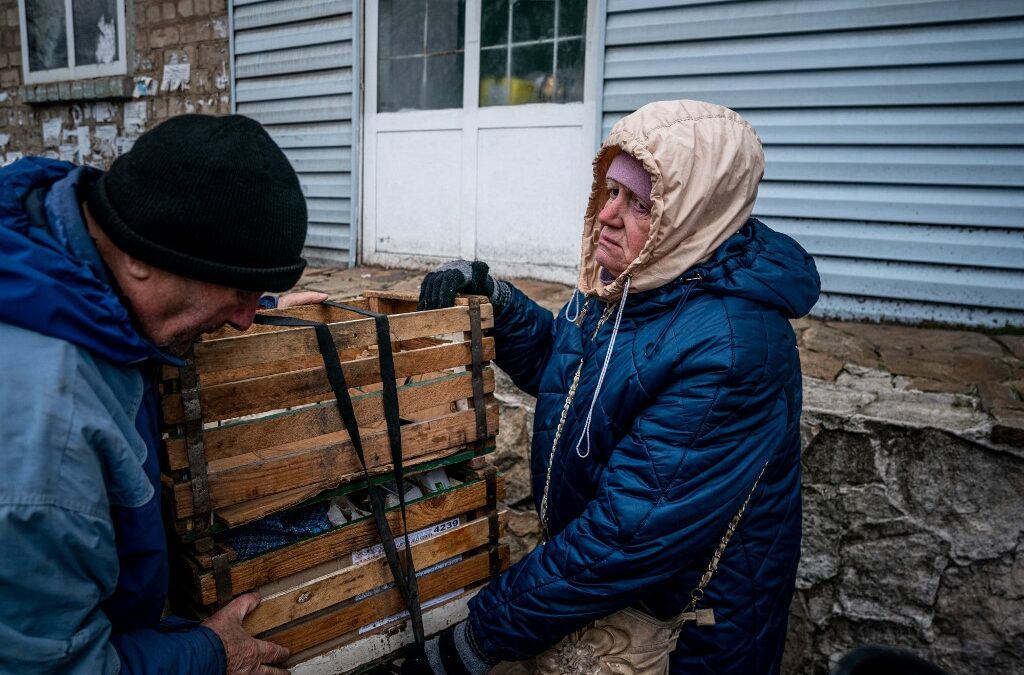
(160, 33)
(913, 513)
(913, 529)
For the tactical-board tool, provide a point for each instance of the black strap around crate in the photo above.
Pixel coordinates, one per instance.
(405, 578)
(479, 404)
(202, 517)
(476, 337)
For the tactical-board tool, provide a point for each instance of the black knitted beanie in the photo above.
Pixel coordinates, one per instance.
(209, 198)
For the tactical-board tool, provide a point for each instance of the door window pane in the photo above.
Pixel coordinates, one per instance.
(402, 27)
(493, 83)
(531, 80)
(533, 20)
(572, 16)
(47, 38)
(570, 71)
(398, 77)
(420, 47)
(446, 26)
(494, 24)
(442, 71)
(542, 62)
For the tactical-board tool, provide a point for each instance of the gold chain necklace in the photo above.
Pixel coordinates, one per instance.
(565, 411)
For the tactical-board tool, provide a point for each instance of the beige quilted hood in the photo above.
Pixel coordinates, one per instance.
(705, 162)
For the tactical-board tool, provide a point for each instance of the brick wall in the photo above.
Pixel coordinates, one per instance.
(159, 33)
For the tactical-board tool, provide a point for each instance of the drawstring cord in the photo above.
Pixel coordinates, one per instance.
(604, 369)
(573, 306)
(691, 283)
(569, 399)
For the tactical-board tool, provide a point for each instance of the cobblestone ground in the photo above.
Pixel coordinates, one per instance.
(913, 486)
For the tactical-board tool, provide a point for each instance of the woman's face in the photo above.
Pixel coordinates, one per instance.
(625, 223)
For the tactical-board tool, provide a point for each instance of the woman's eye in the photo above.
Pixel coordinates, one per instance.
(640, 206)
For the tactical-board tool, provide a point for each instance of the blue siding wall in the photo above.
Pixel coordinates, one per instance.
(893, 131)
(293, 65)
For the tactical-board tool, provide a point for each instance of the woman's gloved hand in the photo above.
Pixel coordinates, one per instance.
(452, 652)
(440, 287)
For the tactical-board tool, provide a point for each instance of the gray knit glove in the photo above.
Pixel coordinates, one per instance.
(440, 287)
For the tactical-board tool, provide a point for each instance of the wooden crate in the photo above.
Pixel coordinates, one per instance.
(252, 429)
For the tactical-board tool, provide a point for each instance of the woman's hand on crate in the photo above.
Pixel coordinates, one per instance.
(245, 655)
(439, 288)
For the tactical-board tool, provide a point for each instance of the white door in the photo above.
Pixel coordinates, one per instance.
(479, 132)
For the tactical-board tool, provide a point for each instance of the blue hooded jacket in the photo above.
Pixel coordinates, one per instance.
(84, 571)
(700, 390)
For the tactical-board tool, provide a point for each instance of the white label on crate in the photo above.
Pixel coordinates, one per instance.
(404, 615)
(419, 573)
(377, 550)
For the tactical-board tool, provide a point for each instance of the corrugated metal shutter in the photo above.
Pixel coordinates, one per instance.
(893, 131)
(294, 71)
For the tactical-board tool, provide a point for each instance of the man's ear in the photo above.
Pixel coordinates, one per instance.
(136, 269)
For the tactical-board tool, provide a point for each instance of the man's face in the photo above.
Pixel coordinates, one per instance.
(625, 223)
(174, 311)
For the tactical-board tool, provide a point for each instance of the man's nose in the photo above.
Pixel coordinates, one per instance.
(243, 313)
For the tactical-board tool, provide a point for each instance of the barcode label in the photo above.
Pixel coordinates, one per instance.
(377, 550)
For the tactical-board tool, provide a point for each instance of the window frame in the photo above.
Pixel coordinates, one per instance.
(74, 72)
(472, 51)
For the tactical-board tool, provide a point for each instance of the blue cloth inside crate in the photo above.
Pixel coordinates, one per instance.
(279, 529)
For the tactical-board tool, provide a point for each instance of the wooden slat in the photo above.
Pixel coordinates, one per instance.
(404, 296)
(283, 390)
(291, 365)
(247, 349)
(329, 461)
(249, 574)
(400, 302)
(315, 312)
(246, 512)
(289, 427)
(307, 633)
(304, 599)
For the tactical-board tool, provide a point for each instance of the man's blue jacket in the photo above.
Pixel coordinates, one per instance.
(702, 390)
(83, 568)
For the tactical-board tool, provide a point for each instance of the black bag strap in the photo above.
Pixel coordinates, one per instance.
(405, 578)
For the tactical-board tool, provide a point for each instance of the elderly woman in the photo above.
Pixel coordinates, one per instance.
(666, 444)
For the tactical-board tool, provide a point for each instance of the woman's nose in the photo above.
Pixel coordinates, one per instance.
(609, 215)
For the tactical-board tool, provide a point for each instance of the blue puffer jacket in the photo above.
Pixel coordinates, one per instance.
(83, 573)
(701, 390)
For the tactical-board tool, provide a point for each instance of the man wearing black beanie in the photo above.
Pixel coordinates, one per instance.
(103, 278)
